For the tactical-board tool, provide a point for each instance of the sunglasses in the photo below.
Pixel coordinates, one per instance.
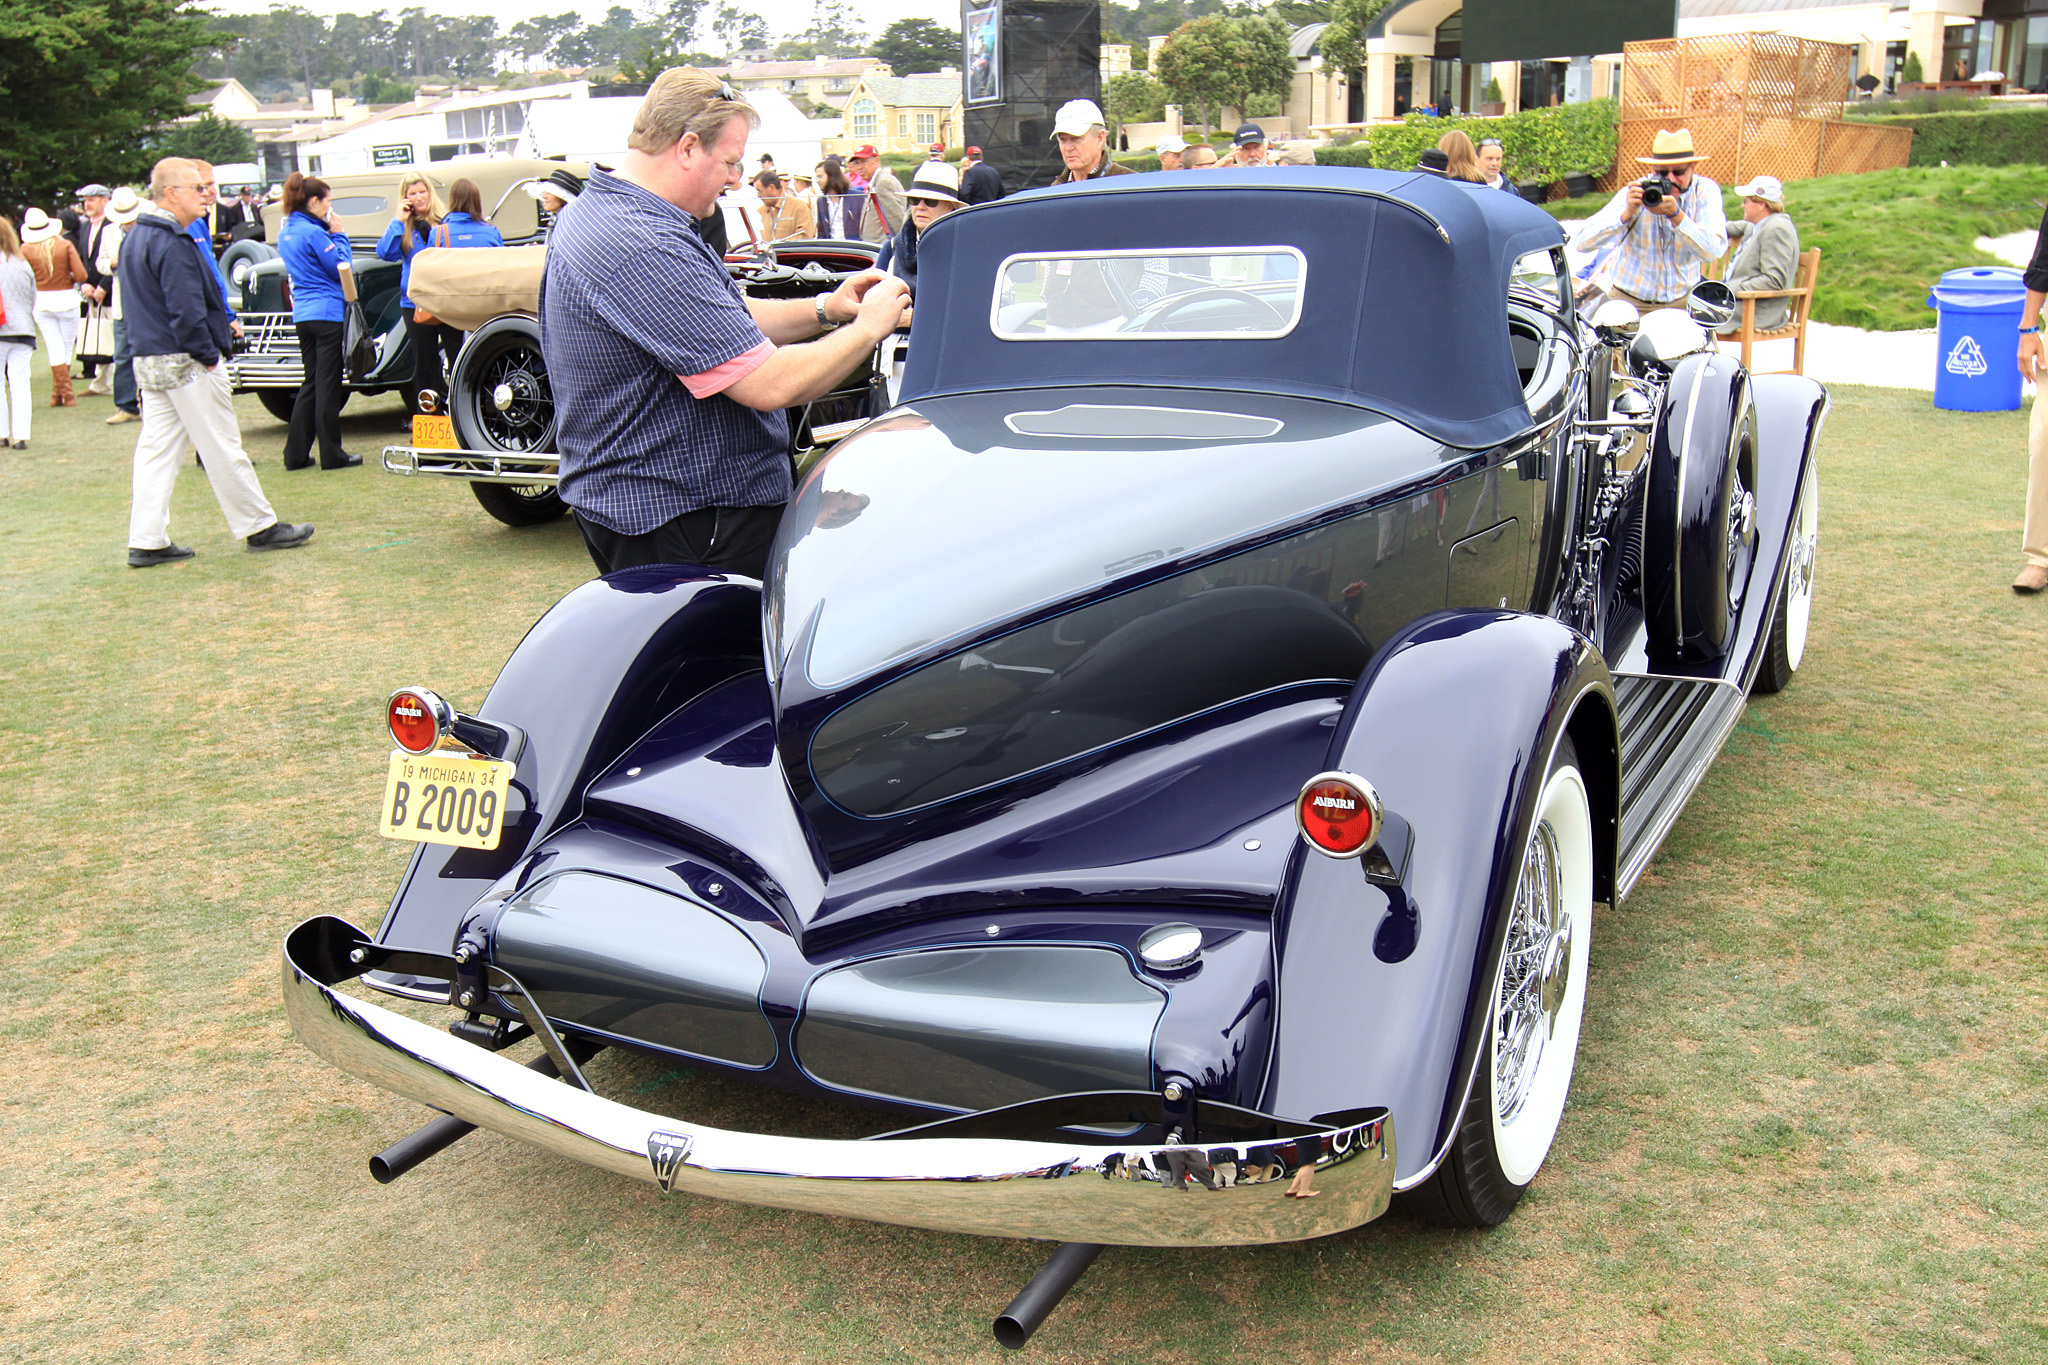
(1489, 142)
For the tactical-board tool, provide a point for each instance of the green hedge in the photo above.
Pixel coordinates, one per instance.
(1999, 137)
(1538, 145)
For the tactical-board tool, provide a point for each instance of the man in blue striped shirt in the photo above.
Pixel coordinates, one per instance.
(669, 384)
(1660, 250)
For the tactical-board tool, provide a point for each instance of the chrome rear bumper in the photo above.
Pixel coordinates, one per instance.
(1078, 1191)
(475, 466)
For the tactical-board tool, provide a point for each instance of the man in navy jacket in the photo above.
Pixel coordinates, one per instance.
(178, 330)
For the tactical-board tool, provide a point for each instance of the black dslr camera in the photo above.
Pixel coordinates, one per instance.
(1656, 189)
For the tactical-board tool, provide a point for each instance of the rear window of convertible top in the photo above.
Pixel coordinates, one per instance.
(1243, 293)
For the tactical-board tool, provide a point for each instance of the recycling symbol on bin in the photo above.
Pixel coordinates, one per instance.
(1966, 358)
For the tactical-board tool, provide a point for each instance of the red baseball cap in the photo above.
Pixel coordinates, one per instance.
(938, 146)
(974, 151)
(864, 154)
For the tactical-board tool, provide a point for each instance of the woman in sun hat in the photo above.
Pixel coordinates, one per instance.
(59, 273)
(17, 333)
(934, 192)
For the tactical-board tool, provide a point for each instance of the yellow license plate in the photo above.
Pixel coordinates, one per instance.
(434, 432)
(444, 798)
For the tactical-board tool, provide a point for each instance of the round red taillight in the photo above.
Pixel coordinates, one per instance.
(417, 718)
(1339, 814)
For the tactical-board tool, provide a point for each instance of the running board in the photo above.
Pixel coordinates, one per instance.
(1671, 730)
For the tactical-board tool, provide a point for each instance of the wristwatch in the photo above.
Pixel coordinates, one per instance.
(825, 324)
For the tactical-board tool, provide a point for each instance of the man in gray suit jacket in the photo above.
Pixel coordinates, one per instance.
(1768, 257)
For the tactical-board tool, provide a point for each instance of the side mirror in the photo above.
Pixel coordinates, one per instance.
(1615, 322)
(1711, 304)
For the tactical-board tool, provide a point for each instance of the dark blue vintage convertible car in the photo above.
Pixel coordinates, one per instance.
(1175, 758)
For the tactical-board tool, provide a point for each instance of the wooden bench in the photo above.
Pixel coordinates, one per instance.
(1801, 295)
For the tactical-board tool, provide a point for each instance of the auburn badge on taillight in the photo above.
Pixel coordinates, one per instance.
(1339, 814)
(418, 719)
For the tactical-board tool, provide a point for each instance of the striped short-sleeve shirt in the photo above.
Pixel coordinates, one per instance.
(633, 302)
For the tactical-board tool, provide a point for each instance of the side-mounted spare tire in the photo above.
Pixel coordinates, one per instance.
(1699, 523)
(499, 400)
(237, 261)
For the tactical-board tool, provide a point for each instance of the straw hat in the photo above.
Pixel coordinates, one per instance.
(937, 180)
(37, 226)
(124, 207)
(1671, 149)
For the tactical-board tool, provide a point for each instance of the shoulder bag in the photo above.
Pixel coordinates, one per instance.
(419, 314)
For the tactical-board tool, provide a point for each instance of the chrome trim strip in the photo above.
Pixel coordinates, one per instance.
(996, 1187)
(475, 466)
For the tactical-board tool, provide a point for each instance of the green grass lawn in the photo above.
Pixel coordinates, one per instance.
(1810, 1122)
(1886, 237)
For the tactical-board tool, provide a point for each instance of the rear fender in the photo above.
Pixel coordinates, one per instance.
(603, 665)
(1382, 983)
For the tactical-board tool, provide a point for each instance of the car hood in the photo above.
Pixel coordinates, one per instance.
(948, 518)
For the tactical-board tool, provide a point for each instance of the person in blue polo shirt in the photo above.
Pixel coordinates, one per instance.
(315, 249)
(669, 384)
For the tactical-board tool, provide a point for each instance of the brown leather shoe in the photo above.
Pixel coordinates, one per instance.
(2033, 578)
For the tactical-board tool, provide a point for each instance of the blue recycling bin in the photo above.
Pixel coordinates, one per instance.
(1977, 363)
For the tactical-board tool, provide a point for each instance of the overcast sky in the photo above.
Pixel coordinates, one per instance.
(784, 17)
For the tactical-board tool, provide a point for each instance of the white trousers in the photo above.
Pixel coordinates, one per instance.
(201, 414)
(16, 359)
(57, 320)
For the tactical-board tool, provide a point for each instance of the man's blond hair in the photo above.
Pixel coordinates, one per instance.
(685, 100)
(161, 173)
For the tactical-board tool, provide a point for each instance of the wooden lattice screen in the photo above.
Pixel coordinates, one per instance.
(1755, 103)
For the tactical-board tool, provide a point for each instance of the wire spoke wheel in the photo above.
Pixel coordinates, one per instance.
(1536, 1005)
(1540, 998)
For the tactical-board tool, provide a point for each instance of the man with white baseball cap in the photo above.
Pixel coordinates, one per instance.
(1083, 135)
(1171, 150)
(1768, 257)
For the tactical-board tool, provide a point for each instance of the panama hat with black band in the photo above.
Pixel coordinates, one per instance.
(1671, 150)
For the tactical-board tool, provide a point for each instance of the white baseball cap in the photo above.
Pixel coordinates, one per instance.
(1076, 117)
(1172, 144)
(1764, 187)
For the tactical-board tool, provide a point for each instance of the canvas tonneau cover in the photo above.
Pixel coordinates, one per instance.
(467, 287)
(1404, 310)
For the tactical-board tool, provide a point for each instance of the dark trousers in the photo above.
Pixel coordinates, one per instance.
(728, 539)
(317, 409)
(126, 397)
(434, 347)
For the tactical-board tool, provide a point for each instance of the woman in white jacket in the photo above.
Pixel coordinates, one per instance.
(17, 332)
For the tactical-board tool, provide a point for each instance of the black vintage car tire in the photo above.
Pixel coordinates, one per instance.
(504, 352)
(530, 504)
(278, 402)
(1789, 619)
(1698, 523)
(1492, 1159)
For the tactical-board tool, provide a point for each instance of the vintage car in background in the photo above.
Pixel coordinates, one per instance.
(1174, 759)
(498, 432)
(269, 365)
